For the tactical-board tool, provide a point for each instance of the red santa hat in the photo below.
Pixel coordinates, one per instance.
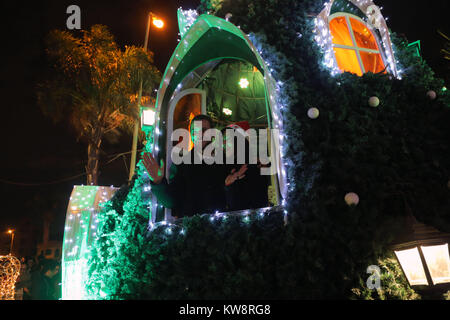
(244, 125)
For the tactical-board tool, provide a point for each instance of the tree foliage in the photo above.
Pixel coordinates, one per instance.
(94, 85)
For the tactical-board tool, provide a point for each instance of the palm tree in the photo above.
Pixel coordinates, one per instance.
(94, 85)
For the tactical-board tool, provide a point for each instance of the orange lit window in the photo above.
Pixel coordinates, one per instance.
(354, 45)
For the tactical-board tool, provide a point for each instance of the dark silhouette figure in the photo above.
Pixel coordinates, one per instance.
(42, 282)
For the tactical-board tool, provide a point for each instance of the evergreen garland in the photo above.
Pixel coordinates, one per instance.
(392, 156)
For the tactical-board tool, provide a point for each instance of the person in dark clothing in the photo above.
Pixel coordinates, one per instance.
(243, 190)
(193, 188)
(42, 287)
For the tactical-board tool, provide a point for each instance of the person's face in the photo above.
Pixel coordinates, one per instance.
(198, 129)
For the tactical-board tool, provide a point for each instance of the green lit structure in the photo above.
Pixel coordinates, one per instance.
(211, 58)
(415, 47)
(80, 230)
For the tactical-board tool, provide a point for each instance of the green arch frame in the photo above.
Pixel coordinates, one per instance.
(212, 38)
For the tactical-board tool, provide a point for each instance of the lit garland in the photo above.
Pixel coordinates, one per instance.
(323, 35)
(79, 232)
(186, 18)
(9, 272)
(217, 217)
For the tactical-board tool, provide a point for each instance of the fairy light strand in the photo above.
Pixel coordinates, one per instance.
(374, 16)
(9, 272)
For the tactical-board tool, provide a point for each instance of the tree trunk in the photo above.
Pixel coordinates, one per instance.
(93, 160)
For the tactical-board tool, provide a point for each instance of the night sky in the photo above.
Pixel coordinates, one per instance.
(37, 154)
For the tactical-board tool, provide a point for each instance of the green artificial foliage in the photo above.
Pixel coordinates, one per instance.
(393, 284)
(395, 156)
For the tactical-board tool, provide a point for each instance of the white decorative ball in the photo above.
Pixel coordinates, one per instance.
(351, 199)
(431, 94)
(374, 102)
(313, 113)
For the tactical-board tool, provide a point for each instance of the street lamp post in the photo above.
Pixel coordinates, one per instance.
(158, 23)
(11, 232)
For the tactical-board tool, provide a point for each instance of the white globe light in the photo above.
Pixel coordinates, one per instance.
(351, 198)
(313, 113)
(374, 102)
(243, 83)
(431, 94)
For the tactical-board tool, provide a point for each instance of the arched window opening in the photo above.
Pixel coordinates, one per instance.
(355, 46)
(230, 91)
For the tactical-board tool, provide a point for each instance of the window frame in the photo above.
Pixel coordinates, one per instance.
(355, 48)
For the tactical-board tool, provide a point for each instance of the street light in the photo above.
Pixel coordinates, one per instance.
(158, 23)
(423, 254)
(148, 118)
(11, 232)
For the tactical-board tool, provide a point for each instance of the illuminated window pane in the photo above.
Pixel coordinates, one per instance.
(372, 61)
(412, 265)
(347, 60)
(363, 36)
(339, 32)
(438, 262)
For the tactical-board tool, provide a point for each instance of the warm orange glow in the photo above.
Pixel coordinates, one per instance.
(339, 32)
(372, 61)
(412, 266)
(438, 262)
(158, 23)
(10, 231)
(363, 36)
(191, 144)
(347, 60)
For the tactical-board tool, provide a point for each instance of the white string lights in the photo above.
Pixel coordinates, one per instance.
(217, 217)
(79, 232)
(374, 19)
(188, 18)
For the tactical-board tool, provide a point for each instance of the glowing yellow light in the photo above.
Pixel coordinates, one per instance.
(438, 262)
(158, 23)
(148, 117)
(227, 111)
(9, 272)
(244, 83)
(412, 265)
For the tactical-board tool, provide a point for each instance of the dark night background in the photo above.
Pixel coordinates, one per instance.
(37, 154)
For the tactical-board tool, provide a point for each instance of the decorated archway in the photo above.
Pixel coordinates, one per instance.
(206, 42)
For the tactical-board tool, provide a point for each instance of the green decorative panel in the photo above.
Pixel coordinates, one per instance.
(79, 233)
